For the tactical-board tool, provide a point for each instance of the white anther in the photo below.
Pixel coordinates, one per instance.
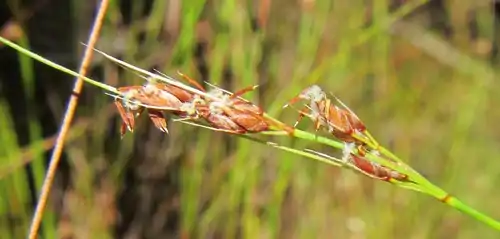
(347, 150)
(150, 89)
(313, 93)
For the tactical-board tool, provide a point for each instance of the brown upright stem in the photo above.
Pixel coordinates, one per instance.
(68, 117)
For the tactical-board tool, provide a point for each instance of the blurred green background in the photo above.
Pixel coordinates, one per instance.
(421, 74)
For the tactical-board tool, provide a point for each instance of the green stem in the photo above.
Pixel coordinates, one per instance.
(56, 66)
(422, 184)
(459, 205)
(294, 151)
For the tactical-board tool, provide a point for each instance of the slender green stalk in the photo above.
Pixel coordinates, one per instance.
(419, 183)
(456, 203)
(56, 66)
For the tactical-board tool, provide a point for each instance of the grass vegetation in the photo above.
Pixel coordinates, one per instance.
(429, 97)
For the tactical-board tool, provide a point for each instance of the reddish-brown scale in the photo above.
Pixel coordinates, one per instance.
(156, 95)
(158, 120)
(244, 105)
(249, 121)
(218, 120)
(191, 81)
(239, 116)
(127, 116)
(342, 123)
(375, 170)
(181, 94)
(234, 100)
(232, 113)
(152, 95)
(224, 123)
(248, 115)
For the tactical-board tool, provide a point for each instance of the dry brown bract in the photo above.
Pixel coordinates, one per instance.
(373, 169)
(346, 126)
(154, 97)
(339, 121)
(230, 113)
